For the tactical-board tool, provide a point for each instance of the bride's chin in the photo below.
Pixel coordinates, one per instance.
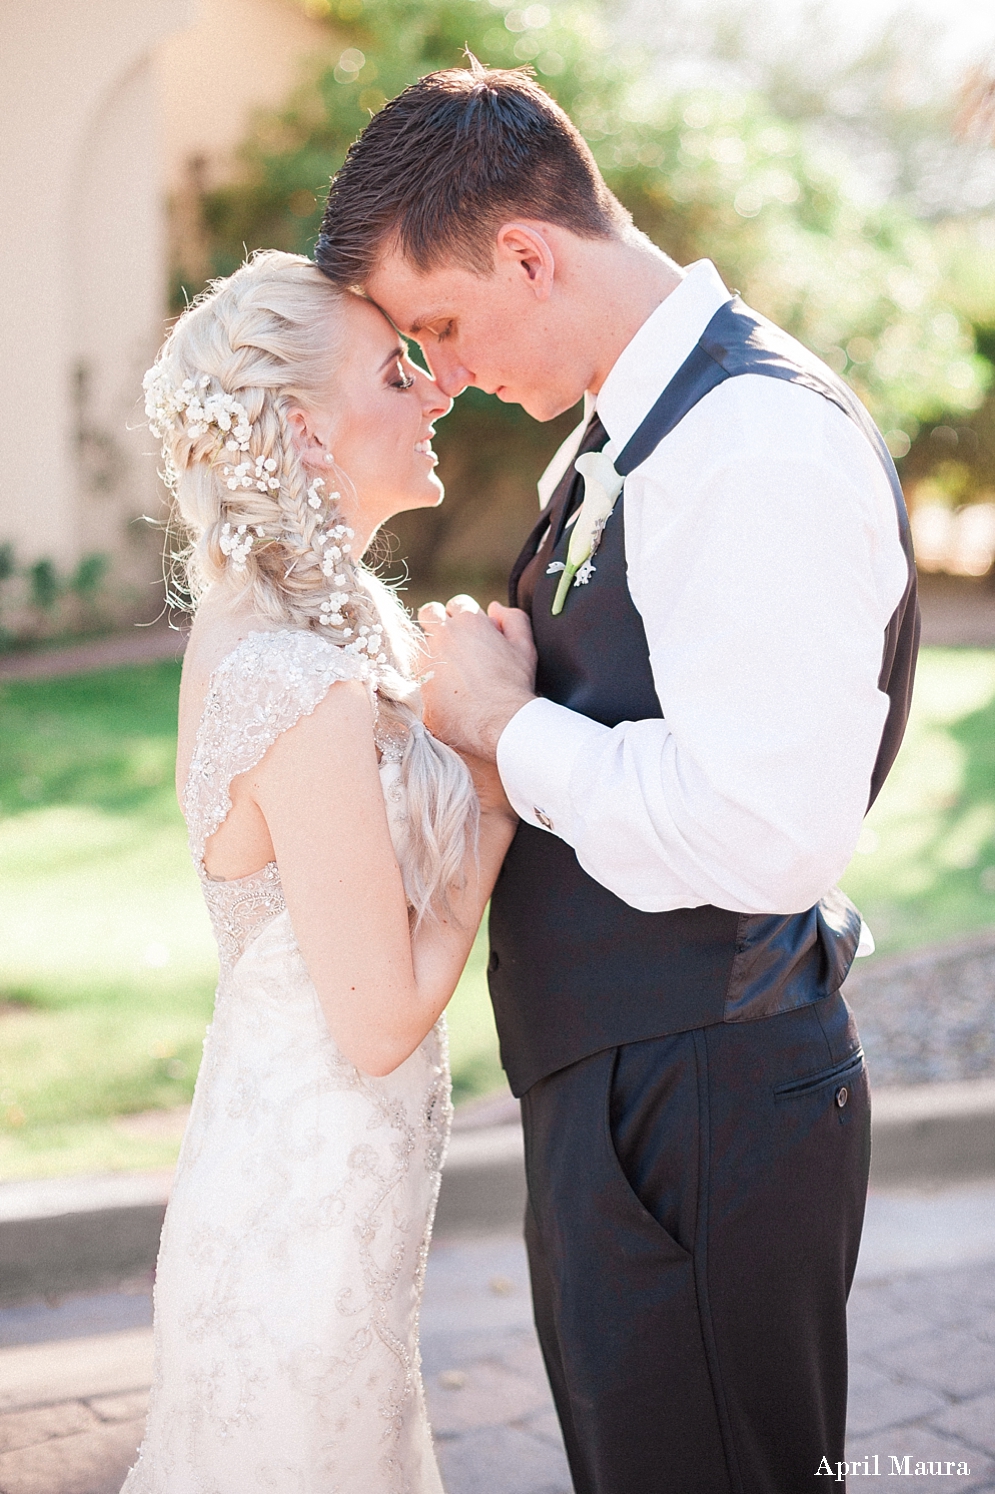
(430, 496)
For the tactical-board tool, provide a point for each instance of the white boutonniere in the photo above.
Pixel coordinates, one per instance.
(602, 485)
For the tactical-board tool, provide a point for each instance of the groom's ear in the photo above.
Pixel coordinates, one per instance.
(526, 247)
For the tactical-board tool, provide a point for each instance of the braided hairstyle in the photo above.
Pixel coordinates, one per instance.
(246, 354)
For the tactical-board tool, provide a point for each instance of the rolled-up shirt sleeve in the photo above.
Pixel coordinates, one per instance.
(765, 567)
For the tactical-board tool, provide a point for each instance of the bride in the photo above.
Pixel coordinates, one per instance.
(345, 864)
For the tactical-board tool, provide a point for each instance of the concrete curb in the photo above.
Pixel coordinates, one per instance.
(66, 1235)
(61, 1235)
(933, 1132)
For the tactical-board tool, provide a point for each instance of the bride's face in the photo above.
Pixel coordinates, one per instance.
(377, 420)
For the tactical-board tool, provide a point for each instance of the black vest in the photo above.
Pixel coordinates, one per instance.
(574, 969)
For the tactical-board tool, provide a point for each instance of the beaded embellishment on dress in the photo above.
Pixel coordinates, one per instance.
(294, 1248)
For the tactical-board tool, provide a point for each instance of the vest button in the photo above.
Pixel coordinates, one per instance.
(842, 1095)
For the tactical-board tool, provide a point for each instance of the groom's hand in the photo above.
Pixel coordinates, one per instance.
(480, 671)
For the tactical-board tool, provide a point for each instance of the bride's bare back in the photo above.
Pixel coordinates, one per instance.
(313, 804)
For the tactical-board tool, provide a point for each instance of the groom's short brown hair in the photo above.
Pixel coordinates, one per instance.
(449, 160)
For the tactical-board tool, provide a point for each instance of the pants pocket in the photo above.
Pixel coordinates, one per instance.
(651, 1136)
(837, 1075)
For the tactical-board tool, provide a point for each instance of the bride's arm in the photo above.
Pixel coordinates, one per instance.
(381, 987)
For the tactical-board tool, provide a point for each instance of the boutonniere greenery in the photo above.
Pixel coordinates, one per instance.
(602, 485)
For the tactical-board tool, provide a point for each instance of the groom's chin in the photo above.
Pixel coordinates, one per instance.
(542, 405)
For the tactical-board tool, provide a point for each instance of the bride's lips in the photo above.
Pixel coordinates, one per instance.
(424, 447)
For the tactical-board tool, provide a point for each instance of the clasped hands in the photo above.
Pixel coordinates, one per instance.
(479, 672)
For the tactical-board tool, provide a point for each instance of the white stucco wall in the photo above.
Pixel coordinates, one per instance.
(102, 106)
(238, 56)
(81, 265)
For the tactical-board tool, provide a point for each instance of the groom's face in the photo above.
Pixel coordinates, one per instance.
(488, 331)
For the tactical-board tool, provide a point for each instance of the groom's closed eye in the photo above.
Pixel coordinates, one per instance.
(440, 329)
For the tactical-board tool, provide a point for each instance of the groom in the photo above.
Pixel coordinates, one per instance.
(721, 690)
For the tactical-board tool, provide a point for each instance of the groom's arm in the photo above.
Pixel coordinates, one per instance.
(764, 558)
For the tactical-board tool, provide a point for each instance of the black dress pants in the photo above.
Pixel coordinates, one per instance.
(695, 1208)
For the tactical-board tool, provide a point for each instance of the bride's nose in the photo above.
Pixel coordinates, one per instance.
(436, 404)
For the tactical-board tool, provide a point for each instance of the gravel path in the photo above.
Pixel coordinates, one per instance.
(928, 1016)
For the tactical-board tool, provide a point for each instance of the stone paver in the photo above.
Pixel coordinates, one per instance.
(43, 1424)
(879, 1401)
(924, 1446)
(972, 1422)
(957, 1365)
(507, 1461)
(922, 1381)
(89, 1462)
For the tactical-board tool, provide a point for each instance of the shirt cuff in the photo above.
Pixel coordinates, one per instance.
(536, 756)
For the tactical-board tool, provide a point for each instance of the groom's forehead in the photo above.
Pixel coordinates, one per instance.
(416, 299)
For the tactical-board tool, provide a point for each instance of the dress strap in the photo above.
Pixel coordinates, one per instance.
(261, 689)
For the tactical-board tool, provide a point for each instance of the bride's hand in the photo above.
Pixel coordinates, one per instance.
(481, 671)
(490, 789)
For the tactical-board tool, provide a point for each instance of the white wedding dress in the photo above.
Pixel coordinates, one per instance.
(293, 1253)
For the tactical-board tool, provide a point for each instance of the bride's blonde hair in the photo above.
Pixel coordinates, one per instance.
(246, 354)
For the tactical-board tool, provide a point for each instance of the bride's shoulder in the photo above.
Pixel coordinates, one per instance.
(249, 685)
(285, 659)
(240, 654)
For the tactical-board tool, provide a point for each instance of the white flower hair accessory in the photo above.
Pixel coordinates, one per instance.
(170, 407)
(335, 545)
(191, 408)
(259, 476)
(237, 542)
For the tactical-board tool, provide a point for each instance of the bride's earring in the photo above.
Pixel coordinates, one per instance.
(329, 458)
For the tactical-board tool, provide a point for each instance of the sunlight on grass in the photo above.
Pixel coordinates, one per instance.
(107, 964)
(925, 864)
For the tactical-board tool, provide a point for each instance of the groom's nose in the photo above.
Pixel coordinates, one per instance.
(448, 371)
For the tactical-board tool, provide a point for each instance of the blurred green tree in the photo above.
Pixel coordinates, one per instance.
(705, 171)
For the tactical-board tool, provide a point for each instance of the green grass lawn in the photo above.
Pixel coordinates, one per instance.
(107, 964)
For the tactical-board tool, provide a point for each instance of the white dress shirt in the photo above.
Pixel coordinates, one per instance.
(763, 555)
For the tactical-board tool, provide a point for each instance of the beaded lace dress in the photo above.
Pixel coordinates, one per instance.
(293, 1253)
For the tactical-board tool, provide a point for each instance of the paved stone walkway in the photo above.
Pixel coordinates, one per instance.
(922, 1377)
(141, 644)
(922, 1364)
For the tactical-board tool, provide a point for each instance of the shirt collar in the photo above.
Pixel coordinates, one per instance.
(647, 364)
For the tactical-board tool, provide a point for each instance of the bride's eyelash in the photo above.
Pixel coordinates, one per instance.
(406, 381)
